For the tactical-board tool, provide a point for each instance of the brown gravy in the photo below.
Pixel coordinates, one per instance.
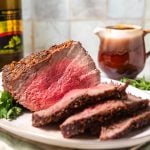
(119, 28)
(121, 57)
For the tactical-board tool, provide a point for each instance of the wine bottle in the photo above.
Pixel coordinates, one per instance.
(11, 32)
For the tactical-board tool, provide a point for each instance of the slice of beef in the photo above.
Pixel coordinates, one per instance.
(43, 78)
(75, 100)
(99, 115)
(122, 128)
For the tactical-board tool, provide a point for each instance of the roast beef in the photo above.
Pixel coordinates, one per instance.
(99, 115)
(75, 100)
(122, 128)
(43, 78)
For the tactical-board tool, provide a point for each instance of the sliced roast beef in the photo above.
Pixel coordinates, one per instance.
(99, 115)
(75, 100)
(122, 128)
(43, 78)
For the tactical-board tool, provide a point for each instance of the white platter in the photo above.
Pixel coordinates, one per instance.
(23, 128)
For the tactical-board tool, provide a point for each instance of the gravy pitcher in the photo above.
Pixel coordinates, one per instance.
(122, 50)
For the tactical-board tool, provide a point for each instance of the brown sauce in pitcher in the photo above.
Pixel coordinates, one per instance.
(120, 57)
(119, 28)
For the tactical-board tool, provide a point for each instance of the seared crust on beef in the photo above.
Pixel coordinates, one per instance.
(100, 115)
(123, 127)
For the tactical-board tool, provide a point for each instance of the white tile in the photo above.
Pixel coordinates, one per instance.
(108, 22)
(138, 22)
(27, 37)
(147, 9)
(88, 9)
(51, 9)
(27, 9)
(47, 34)
(126, 8)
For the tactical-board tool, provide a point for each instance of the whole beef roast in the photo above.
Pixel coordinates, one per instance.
(75, 101)
(43, 78)
(100, 115)
(123, 127)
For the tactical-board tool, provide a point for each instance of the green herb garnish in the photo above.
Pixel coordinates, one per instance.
(140, 83)
(9, 109)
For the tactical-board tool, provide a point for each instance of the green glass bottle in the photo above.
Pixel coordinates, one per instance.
(11, 32)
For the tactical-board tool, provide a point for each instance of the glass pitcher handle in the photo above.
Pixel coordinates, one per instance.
(145, 33)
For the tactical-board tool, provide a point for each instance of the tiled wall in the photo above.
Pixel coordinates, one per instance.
(47, 22)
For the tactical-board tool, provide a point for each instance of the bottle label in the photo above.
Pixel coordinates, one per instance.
(10, 31)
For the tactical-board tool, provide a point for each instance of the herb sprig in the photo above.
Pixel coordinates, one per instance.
(9, 109)
(140, 83)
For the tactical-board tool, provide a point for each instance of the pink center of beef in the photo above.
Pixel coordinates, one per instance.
(51, 84)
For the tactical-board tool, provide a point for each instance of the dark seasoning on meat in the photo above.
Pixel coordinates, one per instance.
(62, 85)
(101, 114)
(72, 104)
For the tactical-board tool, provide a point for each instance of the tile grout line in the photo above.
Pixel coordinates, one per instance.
(32, 26)
(106, 11)
(69, 20)
(144, 14)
